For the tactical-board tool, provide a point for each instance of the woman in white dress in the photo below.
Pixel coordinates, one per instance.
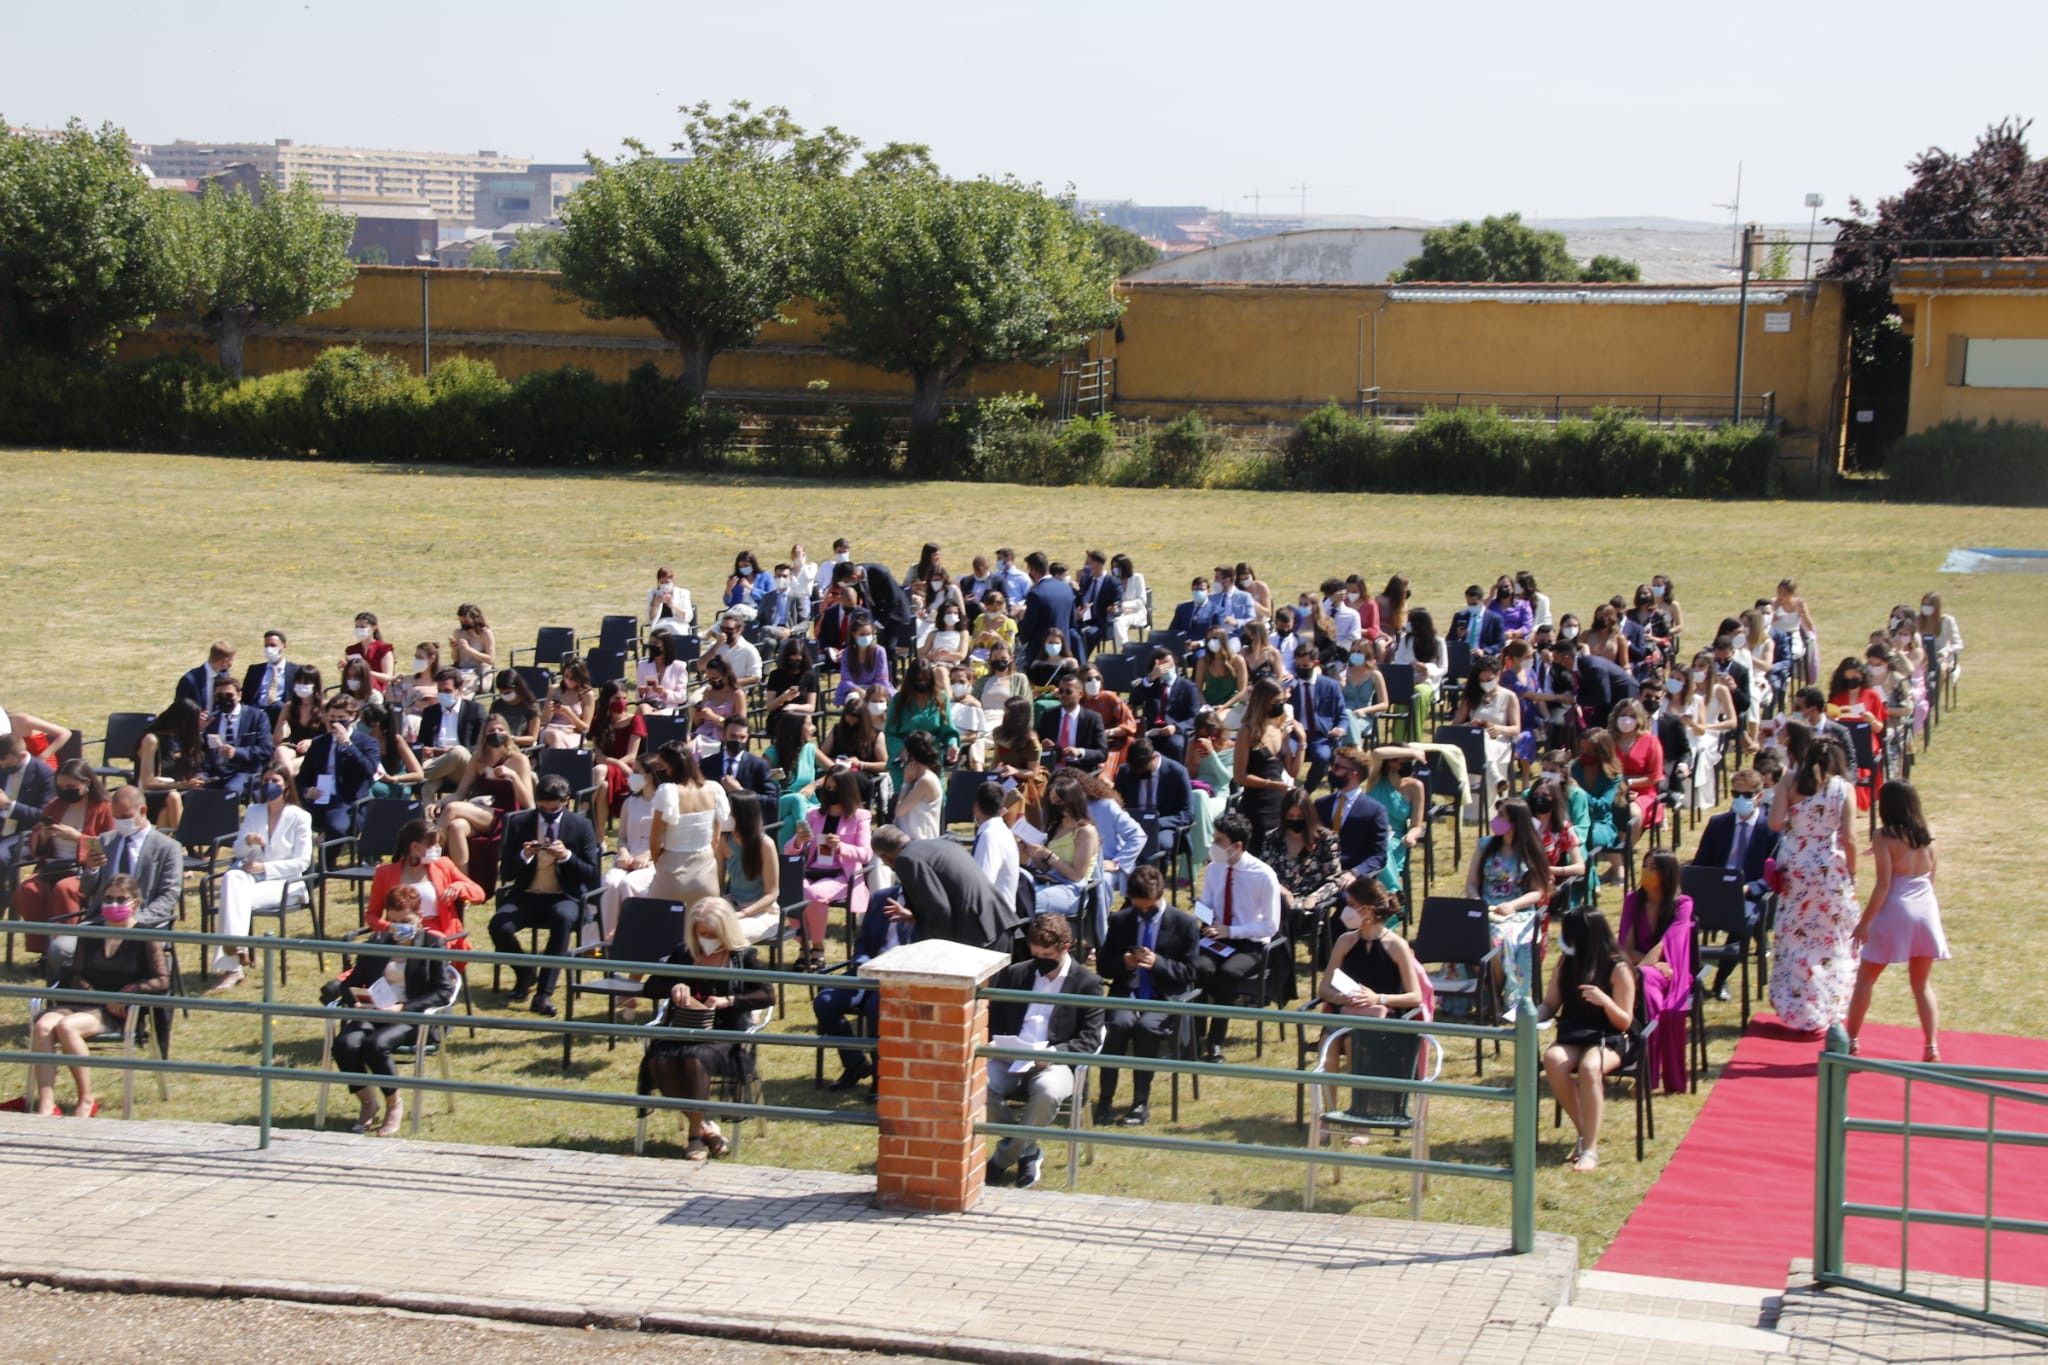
(1496, 710)
(632, 871)
(273, 847)
(1708, 705)
(687, 833)
(922, 800)
(1423, 648)
(1790, 617)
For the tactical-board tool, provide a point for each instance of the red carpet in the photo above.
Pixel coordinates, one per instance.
(1735, 1205)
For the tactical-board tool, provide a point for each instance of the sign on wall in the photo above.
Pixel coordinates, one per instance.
(1777, 322)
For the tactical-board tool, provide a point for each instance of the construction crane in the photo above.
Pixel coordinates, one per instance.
(1254, 196)
(1303, 189)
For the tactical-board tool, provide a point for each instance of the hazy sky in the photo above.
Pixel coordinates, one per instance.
(1421, 110)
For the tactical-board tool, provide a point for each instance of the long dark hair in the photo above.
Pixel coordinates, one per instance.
(746, 825)
(177, 729)
(1664, 863)
(1067, 799)
(1898, 815)
(1475, 695)
(1589, 951)
(1825, 758)
(788, 741)
(1296, 804)
(78, 770)
(681, 761)
(1422, 635)
(1526, 843)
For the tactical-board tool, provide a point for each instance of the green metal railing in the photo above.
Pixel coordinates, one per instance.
(267, 1072)
(1519, 1173)
(1831, 1206)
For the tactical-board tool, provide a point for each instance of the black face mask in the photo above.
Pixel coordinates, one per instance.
(71, 793)
(1046, 966)
(1298, 826)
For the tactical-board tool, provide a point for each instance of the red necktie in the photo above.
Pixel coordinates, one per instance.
(1067, 731)
(1229, 879)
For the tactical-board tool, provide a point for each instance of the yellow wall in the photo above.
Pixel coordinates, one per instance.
(1244, 352)
(1936, 318)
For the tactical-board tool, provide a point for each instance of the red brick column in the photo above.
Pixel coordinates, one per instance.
(931, 1089)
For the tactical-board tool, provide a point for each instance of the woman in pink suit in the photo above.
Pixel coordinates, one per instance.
(833, 843)
(1656, 938)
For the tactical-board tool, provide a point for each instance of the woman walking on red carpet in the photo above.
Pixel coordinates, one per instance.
(1901, 922)
(1814, 953)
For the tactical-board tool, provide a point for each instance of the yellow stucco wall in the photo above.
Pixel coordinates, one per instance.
(1937, 317)
(1242, 352)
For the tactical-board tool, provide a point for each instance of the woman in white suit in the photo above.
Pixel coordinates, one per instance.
(274, 846)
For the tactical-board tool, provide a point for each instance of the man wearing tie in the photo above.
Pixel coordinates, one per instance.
(1148, 953)
(1319, 706)
(1166, 705)
(548, 864)
(266, 685)
(450, 726)
(1239, 907)
(132, 848)
(1360, 822)
(238, 741)
(1072, 734)
(1102, 598)
(26, 786)
(1742, 840)
(197, 685)
(339, 767)
(1159, 796)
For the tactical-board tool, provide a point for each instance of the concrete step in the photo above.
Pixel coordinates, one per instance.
(1720, 1319)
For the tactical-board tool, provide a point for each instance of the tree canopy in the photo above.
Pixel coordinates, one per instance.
(240, 263)
(531, 249)
(928, 277)
(80, 249)
(1505, 250)
(1125, 250)
(483, 255)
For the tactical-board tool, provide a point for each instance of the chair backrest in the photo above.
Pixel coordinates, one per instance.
(1400, 680)
(648, 930)
(74, 747)
(552, 644)
(1861, 745)
(1444, 783)
(573, 764)
(208, 815)
(539, 681)
(1458, 658)
(618, 633)
(790, 894)
(1717, 900)
(382, 818)
(1468, 740)
(961, 785)
(663, 730)
(125, 730)
(1453, 929)
(605, 665)
(1118, 671)
(1173, 640)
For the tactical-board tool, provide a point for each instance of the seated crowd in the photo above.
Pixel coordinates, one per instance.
(805, 750)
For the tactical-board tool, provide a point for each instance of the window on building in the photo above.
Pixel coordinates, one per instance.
(2005, 363)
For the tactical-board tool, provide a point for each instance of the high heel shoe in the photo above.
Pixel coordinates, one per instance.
(1933, 1053)
(87, 1110)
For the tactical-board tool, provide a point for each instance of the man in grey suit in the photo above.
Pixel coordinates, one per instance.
(945, 891)
(135, 848)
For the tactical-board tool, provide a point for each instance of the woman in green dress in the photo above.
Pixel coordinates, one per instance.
(1392, 783)
(795, 752)
(921, 705)
(1597, 772)
(1365, 695)
(1220, 673)
(1210, 760)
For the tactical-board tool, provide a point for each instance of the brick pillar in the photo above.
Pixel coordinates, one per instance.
(931, 1089)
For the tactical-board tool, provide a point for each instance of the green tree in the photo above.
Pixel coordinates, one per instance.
(484, 255)
(243, 263)
(1505, 250)
(928, 277)
(1610, 270)
(80, 251)
(373, 254)
(708, 250)
(531, 249)
(1125, 250)
(1777, 258)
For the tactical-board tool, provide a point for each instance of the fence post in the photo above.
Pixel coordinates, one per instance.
(1524, 1179)
(269, 1054)
(1829, 1143)
(930, 1088)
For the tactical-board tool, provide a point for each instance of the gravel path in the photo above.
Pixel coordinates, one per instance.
(39, 1323)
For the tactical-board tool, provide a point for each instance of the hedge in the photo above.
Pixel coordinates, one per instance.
(1992, 462)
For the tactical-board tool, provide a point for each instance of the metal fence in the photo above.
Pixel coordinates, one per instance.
(1663, 409)
(1830, 1201)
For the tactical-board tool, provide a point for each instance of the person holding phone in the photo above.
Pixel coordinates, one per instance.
(409, 985)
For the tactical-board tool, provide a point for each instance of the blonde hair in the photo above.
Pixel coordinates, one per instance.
(716, 912)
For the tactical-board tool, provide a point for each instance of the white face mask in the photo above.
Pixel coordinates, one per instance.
(864, 640)
(1053, 650)
(1625, 724)
(782, 582)
(1490, 686)
(937, 585)
(1876, 673)
(878, 709)
(420, 663)
(636, 782)
(354, 684)
(1674, 685)
(362, 632)
(708, 947)
(273, 653)
(302, 690)
(127, 824)
(1092, 687)
(1699, 675)
(1352, 918)
(507, 695)
(959, 690)
(1236, 645)
(1568, 633)
(451, 700)
(1198, 594)
(432, 855)
(951, 619)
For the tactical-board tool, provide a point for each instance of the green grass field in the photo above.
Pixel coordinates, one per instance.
(123, 567)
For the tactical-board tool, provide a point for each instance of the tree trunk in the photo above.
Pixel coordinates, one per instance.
(229, 333)
(927, 394)
(696, 371)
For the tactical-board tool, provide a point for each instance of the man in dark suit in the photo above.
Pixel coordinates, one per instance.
(132, 848)
(1156, 791)
(895, 618)
(1740, 839)
(197, 685)
(889, 923)
(1603, 684)
(1072, 734)
(26, 786)
(1149, 953)
(237, 739)
(740, 772)
(1165, 705)
(1476, 626)
(1733, 670)
(1048, 606)
(1319, 707)
(450, 726)
(268, 685)
(1060, 1025)
(1101, 597)
(839, 607)
(946, 892)
(338, 770)
(548, 863)
(1361, 822)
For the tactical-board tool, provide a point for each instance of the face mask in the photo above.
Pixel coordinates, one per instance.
(355, 684)
(1053, 651)
(709, 947)
(959, 690)
(864, 641)
(1357, 660)
(782, 583)
(999, 665)
(71, 794)
(419, 663)
(1568, 633)
(1047, 966)
(1652, 887)
(1236, 645)
(117, 912)
(878, 709)
(1926, 610)
(1625, 724)
(432, 854)
(450, 700)
(1092, 687)
(362, 632)
(636, 782)
(1490, 686)
(1674, 685)
(950, 619)
(1244, 582)
(1213, 646)
(1167, 675)
(735, 748)
(937, 585)
(506, 695)
(272, 791)
(1656, 590)
(223, 702)
(127, 824)
(1699, 675)
(1198, 594)
(1878, 673)
(1352, 918)
(401, 932)
(1218, 853)
(1744, 806)
(1296, 825)
(302, 690)
(1499, 824)
(273, 653)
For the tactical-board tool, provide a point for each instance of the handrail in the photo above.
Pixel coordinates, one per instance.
(1504, 1033)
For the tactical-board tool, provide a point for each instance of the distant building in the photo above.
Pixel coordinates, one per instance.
(388, 231)
(1312, 256)
(533, 195)
(1980, 339)
(446, 181)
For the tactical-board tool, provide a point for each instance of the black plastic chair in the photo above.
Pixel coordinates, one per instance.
(961, 786)
(605, 666)
(551, 645)
(1718, 907)
(618, 634)
(1118, 672)
(125, 730)
(573, 765)
(649, 929)
(377, 824)
(206, 831)
(538, 680)
(1454, 931)
(1864, 757)
(664, 730)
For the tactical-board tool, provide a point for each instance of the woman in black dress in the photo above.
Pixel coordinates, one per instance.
(1261, 769)
(1372, 971)
(683, 1067)
(1592, 995)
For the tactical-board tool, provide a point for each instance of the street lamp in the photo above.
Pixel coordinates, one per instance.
(1813, 202)
(424, 260)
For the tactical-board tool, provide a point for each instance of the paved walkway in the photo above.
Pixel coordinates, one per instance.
(798, 1257)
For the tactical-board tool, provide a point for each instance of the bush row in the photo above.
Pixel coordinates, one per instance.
(1994, 462)
(352, 404)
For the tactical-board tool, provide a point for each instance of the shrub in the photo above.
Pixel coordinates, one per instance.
(1993, 462)
(867, 445)
(465, 399)
(1334, 449)
(363, 405)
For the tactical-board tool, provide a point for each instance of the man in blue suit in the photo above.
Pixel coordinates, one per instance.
(1101, 599)
(238, 741)
(741, 772)
(1165, 705)
(1048, 606)
(1158, 794)
(339, 767)
(1319, 706)
(268, 685)
(1361, 822)
(888, 924)
(196, 686)
(1603, 683)
(1476, 626)
(1741, 839)
(1229, 606)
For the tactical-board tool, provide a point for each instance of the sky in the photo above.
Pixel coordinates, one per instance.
(1428, 111)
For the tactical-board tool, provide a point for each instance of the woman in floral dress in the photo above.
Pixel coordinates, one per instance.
(1814, 953)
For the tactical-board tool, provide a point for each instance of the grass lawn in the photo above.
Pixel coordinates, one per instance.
(124, 566)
